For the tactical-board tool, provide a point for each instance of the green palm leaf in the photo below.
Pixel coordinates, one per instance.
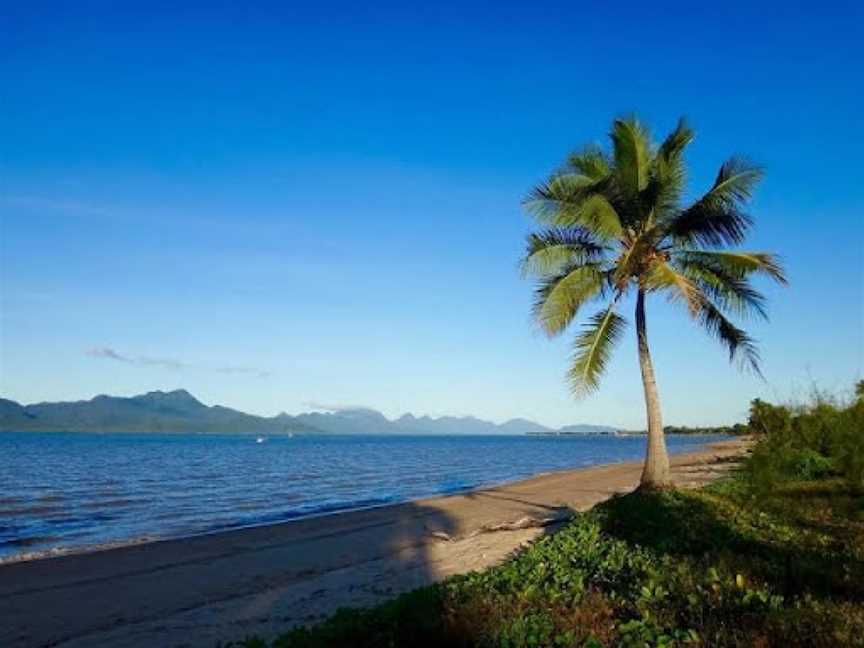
(730, 294)
(592, 350)
(694, 294)
(742, 348)
(717, 218)
(559, 298)
(735, 264)
(631, 146)
(694, 284)
(549, 251)
(679, 286)
(675, 143)
(668, 174)
(570, 200)
(591, 162)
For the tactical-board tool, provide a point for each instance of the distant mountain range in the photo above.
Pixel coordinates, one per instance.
(178, 411)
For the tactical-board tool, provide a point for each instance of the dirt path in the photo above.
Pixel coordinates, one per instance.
(198, 591)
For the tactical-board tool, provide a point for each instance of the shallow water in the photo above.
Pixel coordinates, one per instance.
(63, 491)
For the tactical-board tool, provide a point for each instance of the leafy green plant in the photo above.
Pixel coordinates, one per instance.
(814, 441)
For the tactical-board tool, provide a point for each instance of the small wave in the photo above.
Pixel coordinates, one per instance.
(449, 488)
(29, 541)
(332, 507)
(305, 511)
(65, 550)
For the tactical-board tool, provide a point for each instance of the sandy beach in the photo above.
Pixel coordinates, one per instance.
(201, 590)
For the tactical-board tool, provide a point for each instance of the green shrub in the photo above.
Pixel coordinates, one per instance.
(819, 440)
(808, 464)
(847, 444)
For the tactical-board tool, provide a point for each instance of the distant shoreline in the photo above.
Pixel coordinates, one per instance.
(292, 434)
(622, 433)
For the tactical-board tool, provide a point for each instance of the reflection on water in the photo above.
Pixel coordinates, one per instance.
(73, 490)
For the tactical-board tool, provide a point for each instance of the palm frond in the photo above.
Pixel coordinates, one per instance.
(694, 285)
(736, 264)
(723, 276)
(697, 297)
(742, 348)
(729, 293)
(668, 173)
(662, 276)
(566, 200)
(550, 250)
(735, 181)
(592, 350)
(591, 162)
(559, 298)
(675, 143)
(631, 145)
(717, 218)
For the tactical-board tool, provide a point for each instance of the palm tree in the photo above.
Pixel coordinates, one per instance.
(613, 223)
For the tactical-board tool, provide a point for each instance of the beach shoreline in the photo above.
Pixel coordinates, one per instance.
(149, 538)
(264, 579)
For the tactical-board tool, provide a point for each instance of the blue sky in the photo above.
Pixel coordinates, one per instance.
(276, 207)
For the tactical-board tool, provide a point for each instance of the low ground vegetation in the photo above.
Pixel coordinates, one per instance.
(773, 556)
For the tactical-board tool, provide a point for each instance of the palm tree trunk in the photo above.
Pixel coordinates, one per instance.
(655, 474)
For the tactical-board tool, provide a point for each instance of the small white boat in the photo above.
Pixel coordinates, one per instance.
(260, 439)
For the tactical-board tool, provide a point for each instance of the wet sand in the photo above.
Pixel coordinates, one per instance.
(221, 587)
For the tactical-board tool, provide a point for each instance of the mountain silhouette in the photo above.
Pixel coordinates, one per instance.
(179, 411)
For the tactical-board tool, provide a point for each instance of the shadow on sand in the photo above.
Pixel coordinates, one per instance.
(224, 586)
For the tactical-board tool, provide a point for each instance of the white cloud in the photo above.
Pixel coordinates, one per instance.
(108, 353)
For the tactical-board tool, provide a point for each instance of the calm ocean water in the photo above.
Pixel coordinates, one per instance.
(67, 490)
